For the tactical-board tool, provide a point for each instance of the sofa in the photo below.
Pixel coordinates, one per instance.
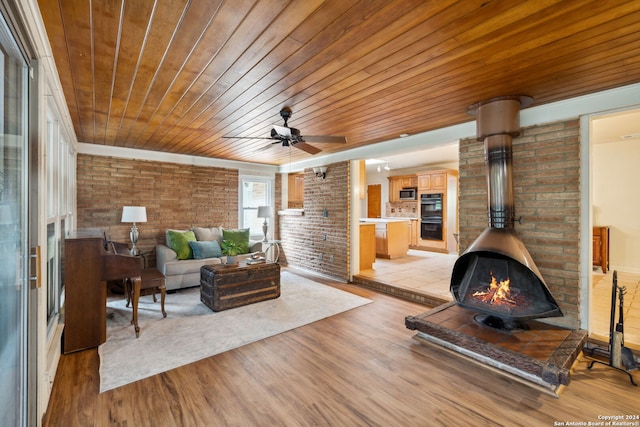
(180, 263)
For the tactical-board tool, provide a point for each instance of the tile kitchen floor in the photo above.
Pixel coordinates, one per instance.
(426, 272)
(430, 273)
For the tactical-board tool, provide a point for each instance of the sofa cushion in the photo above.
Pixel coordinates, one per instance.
(188, 266)
(179, 242)
(208, 234)
(206, 249)
(166, 234)
(239, 236)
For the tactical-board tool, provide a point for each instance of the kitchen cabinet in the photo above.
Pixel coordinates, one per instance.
(443, 182)
(367, 245)
(601, 247)
(432, 181)
(392, 240)
(296, 190)
(397, 183)
(414, 232)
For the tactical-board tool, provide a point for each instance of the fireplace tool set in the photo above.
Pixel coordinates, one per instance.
(620, 357)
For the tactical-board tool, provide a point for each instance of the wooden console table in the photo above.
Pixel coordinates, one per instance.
(601, 248)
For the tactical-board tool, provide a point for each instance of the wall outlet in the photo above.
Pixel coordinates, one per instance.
(320, 257)
(330, 258)
(324, 236)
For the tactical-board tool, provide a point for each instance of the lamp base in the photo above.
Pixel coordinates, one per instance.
(264, 230)
(134, 234)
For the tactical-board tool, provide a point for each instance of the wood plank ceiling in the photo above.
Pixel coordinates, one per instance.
(178, 75)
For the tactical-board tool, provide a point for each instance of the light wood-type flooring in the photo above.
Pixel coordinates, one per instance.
(358, 368)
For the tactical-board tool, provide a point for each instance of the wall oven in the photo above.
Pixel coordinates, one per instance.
(431, 216)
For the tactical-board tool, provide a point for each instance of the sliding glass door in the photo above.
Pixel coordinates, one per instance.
(14, 285)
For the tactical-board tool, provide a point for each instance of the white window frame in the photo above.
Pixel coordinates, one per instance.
(269, 181)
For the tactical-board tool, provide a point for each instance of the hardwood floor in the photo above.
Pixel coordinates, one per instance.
(358, 368)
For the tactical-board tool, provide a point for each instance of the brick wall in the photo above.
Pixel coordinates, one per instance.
(175, 195)
(302, 235)
(546, 174)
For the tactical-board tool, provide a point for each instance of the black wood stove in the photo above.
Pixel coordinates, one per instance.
(496, 275)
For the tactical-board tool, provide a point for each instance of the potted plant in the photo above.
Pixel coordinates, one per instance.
(231, 249)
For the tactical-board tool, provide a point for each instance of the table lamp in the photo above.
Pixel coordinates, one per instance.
(134, 214)
(264, 212)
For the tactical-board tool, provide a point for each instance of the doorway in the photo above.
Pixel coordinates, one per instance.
(14, 286)
(615, 148)
(374, 201)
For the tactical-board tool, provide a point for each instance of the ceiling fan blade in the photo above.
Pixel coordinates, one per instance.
(266, 147)
(283, 131)
(325, 138)
(306, 147)
(246, 137)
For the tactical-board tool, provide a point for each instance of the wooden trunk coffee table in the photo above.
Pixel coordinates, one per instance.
(223, 286)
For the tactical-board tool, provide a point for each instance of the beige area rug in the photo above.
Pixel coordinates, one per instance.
(191, 331)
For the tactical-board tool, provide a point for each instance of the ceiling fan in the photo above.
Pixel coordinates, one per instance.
(291, 137)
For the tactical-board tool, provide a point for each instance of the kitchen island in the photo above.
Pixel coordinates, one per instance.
(392, 237)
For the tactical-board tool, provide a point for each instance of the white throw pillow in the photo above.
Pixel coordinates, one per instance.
(208, 233)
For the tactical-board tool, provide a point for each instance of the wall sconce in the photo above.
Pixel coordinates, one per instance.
(320, 172)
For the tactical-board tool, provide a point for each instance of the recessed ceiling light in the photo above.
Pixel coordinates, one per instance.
(631, 136)
(373, 161)
(404, 135)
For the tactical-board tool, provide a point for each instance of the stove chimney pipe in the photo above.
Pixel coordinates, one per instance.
(497, 122)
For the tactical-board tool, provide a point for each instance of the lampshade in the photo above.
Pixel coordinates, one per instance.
(134, 214)
(264, 211)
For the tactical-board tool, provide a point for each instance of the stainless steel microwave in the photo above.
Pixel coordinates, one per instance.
(409, 193)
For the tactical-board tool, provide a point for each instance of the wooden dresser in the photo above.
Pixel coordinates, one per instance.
(601, 247)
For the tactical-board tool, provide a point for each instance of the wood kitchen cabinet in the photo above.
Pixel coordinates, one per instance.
(445, 182)
(601, 247)
(432, 181)
(296, 191)
(414, 233)
(367, 246)
(392, 240)
(397, 183)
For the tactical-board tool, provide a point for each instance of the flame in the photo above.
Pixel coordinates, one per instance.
(497, 292)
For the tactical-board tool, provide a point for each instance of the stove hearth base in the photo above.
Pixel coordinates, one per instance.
(541, 356)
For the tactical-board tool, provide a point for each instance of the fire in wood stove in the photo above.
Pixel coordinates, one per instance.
(498, 285)
(499, 293)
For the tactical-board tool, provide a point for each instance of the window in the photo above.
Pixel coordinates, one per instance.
(254, 192)
(60, 170)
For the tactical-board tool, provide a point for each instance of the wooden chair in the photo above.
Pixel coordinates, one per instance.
(120, 265)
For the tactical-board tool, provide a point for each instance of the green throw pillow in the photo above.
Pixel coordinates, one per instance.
(206, 249)
(179, 242)
(240, 236)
